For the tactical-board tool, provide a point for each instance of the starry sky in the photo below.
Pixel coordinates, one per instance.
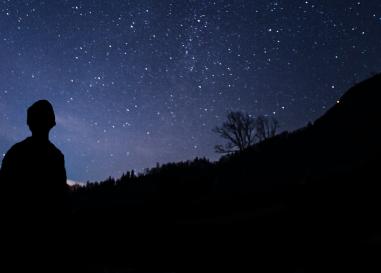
(134, 83)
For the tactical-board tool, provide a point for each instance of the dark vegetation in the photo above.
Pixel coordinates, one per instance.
(242, 130)
(298, 200)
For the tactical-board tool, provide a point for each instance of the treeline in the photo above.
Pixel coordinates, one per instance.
(270, 171)
(277, 200)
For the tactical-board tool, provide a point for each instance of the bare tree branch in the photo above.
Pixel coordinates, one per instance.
(241, 131)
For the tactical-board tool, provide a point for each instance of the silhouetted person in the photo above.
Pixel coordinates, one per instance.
(33, 189)
(34, 168)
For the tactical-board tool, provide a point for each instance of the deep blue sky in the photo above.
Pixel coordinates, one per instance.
(139, 82)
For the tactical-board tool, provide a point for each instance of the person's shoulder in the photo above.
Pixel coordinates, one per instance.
(55, 150)
(19, 146)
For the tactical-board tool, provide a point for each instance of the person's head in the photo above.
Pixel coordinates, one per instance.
(41, 118)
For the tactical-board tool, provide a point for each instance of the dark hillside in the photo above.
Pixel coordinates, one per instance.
(274, 206)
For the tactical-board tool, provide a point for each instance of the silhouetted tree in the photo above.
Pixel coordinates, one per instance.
(265, 127)
(238, 130)
(242, 130)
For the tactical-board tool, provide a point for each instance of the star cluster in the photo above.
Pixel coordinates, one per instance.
(139, 82)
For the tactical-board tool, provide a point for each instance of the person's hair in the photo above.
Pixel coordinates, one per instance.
(41, 115)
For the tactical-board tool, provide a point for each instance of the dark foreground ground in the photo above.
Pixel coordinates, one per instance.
(270, 234)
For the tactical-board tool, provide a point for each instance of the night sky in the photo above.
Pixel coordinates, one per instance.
(139, 82)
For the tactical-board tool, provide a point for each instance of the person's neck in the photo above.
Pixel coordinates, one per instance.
(40, 137)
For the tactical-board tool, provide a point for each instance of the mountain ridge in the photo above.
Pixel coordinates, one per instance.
(280, 200)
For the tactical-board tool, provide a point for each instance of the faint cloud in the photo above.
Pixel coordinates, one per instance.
(72, 124)
(72, 183)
